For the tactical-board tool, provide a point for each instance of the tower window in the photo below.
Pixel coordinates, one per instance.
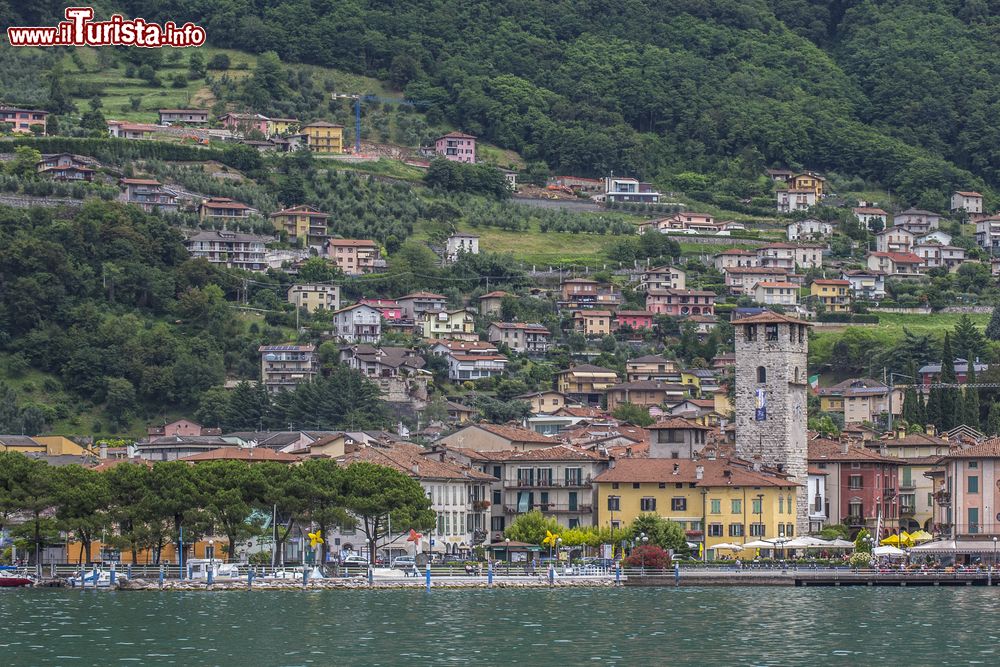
(770, 332)
(802, 333)
(751, 332)
(761, 375)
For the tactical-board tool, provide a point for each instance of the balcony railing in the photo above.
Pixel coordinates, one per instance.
(551, 507)
(552, 483)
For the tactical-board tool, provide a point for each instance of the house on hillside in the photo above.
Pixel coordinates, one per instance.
(224, 209)
(677, 302)
(302, 222)
(968, 201)
(458, 244)
(24, 121)
(870, 216)
(917, 221)
(354, 256)
(894, 239)
(357, 324)
(491, 303)
(776, 293)
(835, 295)
(184, 116)
(456, 147)
(324, 138)
(663, 277)
(521, 337)
(458, 324)
(284, 366)
(809, 229)
(898, 264)
(315, 297)
(592, 323)
(795, 200)
(629, 190)
(231, 249)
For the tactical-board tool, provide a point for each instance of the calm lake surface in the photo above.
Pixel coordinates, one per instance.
(648, 626)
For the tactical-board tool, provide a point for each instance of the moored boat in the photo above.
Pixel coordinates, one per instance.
(13, 577)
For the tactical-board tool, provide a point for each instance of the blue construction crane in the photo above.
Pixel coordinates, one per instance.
(358, 99)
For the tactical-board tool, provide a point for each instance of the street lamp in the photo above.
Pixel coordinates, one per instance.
(642, 553)
(211, 551)
(760, 515)
(507, 551)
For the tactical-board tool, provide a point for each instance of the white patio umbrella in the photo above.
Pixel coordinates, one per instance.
(888, 550)
(806, 542)
(760, 544)
(726, 546)
(839, 544)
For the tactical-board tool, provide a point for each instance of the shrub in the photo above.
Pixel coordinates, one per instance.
(649, 555)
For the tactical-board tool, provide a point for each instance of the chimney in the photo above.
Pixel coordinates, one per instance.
(677, 469)
(415, 468)
(756, 463)
(699, 472)
(103, 450)
(844, 446)
(628, 452)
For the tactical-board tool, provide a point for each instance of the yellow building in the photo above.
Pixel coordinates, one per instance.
(324, 138)
(449, 325)
(717, 500)
(586, 383)
(807, 181)
(592, 322)
(50, 445)
(302, 222)
(281, 125)
(721, 403)
(835, 295)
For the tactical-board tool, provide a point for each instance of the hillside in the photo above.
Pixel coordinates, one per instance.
(658, 89)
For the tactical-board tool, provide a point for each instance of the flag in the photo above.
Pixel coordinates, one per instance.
(814, 383)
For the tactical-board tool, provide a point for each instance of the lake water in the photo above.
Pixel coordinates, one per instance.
(558, 627)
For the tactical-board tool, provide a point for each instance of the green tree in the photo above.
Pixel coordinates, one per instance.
(173, 498)
(196, 65)
(378, 495)
(948, 395)
(121, 401)
(661, 532)
(82, 497)
(993, 328)
(633, 414)
(25, 162)
(319, 498)
(230, 490)
(968, 341)
(530, 527)
(970, 404)
(993, 420)
(128, 485)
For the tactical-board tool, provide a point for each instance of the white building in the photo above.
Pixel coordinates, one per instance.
(795, 200)
(870, 214)
(459, 243)
(988, 234)
(663, 277)
(818, 511)
(808, 230)
(231, 249)
(970, 202)
(776, 293)
(894, 239)
(630, 190)
(866, 285)
(359, 323)
(917, 221)
(470, 360)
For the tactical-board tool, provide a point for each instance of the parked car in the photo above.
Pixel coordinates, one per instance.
(354, 561)
(403, 563)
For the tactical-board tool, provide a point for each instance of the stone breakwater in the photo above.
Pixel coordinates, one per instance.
(357, 583)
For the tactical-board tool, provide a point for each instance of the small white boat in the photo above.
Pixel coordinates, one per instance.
(86, 578)
(295, 574)
(199, 568)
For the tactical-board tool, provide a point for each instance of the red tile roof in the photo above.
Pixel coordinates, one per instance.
(248, 454)
(515, 433)
(770, 317)
(677, 423)
(714, 473)
(414, 461)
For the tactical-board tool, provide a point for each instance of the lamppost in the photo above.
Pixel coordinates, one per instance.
(642, 552)
(993, 564)
(760, 515)
(507, 552)
(211, 552)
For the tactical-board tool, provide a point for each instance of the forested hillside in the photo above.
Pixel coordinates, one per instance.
(898, 93)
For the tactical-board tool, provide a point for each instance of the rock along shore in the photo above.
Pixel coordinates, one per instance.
(359, 583)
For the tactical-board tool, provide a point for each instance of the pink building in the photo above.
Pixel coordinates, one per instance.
(391, 311)
(241, 123)
(457, 147)
(635, 319)
(676, 302)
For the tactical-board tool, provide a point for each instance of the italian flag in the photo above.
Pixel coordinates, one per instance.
(814, 383)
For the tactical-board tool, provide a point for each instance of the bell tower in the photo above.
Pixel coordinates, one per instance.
(771, 380)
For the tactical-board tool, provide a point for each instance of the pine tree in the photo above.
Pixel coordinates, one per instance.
(922, 407)
(993, 420)
(911, 409)
(993, 328)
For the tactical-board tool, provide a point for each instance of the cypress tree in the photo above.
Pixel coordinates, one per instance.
(933, 413)
(948, 397)
(972, 398)
(911, 410)
(993, 328)
(993, 420)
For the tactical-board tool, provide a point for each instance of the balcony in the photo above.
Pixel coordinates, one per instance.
(583, 482)
(855, 521)
(555, 508)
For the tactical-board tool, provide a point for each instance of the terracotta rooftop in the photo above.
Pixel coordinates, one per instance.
(822, 450)
(414, 461)
(243, 454)
(985, 449)
(770, 317)
(674, 423)
(717, 472)
(515, 433)
(556, 453)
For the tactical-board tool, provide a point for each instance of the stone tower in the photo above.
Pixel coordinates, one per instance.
(771, 380)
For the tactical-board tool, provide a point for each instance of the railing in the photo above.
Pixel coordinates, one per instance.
(551, 483)
(550, 507)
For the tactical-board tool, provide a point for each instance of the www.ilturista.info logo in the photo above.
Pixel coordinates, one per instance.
(79, 30)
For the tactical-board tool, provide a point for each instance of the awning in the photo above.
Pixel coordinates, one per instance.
(888, 551)
(726, 546)
(955, 547)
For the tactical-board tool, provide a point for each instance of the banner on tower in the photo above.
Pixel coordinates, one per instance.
(760, 413)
